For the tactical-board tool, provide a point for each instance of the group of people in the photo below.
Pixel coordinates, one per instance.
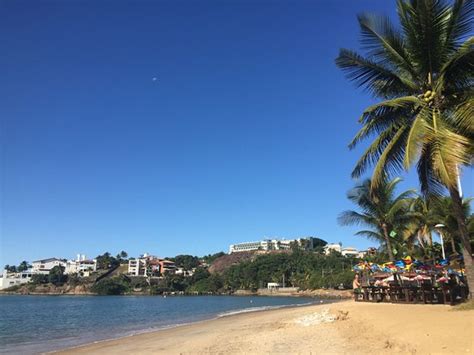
(453, 282)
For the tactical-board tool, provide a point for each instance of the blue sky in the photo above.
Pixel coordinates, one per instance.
(242, 135)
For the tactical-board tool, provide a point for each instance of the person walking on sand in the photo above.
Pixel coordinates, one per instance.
(356, 286)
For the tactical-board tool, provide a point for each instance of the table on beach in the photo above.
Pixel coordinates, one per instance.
(409, 294)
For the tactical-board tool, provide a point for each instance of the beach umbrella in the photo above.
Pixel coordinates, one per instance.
(392, 278)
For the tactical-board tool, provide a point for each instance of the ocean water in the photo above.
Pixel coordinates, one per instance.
(35, 324)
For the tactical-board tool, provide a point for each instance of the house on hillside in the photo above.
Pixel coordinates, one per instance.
(16, 278)
(81, 266)
(337, 247)
(150, 266)
(167, 266)
(44, 266)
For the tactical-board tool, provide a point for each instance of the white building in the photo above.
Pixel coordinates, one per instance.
(273, 285)
(16, 278)
(347, 251)
(350, 251)
(81, 266)
(150, 266)
(249, 246)
(44, 266)
(272, 244)
(137, 267)
(184, 272)
(332, 247)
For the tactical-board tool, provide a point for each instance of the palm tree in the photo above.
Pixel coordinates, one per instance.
(423, 73)
(425, 219)
(380, 210)
(442, 211)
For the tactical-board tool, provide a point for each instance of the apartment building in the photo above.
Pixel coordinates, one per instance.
(150, 266)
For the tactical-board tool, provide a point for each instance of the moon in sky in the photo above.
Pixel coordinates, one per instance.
(154, 78)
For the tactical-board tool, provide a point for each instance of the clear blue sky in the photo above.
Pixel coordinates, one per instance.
(243, 134)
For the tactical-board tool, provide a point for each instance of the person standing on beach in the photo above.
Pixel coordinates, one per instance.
(356, 286)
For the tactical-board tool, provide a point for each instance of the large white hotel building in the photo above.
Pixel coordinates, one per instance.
(272, 244)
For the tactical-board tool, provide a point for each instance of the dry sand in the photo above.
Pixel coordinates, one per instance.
(345, 327)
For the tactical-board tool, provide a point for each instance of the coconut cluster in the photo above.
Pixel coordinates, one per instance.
(429, 96)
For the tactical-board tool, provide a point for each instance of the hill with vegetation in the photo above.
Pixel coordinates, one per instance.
(226, 275)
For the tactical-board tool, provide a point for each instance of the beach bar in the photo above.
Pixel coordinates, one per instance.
(412, 281)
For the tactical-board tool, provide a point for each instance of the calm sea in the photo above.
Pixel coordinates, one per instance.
(32, 324)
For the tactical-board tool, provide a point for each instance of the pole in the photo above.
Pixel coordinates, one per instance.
(442, 244)
(459, 181)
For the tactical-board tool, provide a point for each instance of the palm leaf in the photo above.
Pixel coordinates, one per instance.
(417, 132)
(376, 78)
(379, 117)
(391, 160)
(370, 235)
(459, 23)
(384, 43)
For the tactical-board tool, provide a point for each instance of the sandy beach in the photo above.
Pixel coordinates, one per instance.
(344, 327)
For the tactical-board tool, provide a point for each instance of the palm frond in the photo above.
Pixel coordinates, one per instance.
(449, 151)
(429, 183)
(375, 236)
(463, 117)
(459, 23)
(351, 218)
(426, 40)
(374, 151)
(458, 70)
(416, 136)
(385, 44)
(390, 161)
(373, 76)
(379, 117)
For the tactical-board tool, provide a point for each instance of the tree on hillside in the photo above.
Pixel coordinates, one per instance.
(423, 73)
(10, 268)
(106, 261)
(209, 259)
(112, 286)
(188, 262)
(23, 266)
(56, 275)
(318, 245)
(384, 214)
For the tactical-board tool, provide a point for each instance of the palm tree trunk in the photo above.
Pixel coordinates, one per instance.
(464, 235)
(420, 240)
(453, 244)
(389, 243)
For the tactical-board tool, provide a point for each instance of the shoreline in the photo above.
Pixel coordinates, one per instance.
(230, 314)
(336, 327)
(317, 293)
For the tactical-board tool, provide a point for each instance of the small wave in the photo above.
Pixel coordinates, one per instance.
(263, 308)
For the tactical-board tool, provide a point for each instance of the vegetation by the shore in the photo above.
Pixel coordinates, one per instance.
(296, 268)
(404, 223)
